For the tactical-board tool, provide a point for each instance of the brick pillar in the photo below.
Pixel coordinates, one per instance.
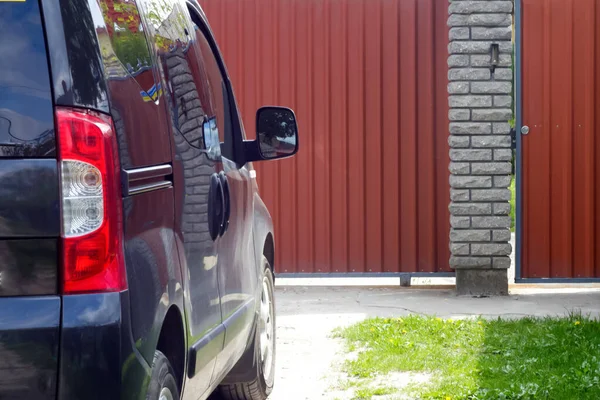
(480, 144)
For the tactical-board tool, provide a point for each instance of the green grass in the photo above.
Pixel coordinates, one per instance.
(551, 358)
(363, 390)
(513, 199)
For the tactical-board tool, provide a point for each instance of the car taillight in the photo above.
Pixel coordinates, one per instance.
(92, 233)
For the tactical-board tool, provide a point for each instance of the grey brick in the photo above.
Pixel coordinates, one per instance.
(470, 155)
(183, 78)
(469, 235)
(502, 154)
(501, 208)
(458, 87)
(459, 115)
(195, 208)
(458, 60)
(469, 74)
(469, 47)
(491, 222)
(174, 60)
(469, 7)
(180, 68)
(479, 20)
(503, 74)
(501, 235)
(460, 194)
(503, 101)
(460, 222)
(491, 249)
(203, 189)
(491, 141)
(197, 237)
(189, 125)
(196, 199)
(184, 88)
(458, 20)
(497, 114)
(459, 168)
(198, 180)
(485, 60)
(470, 101)
(491, 168)
(465, 182)
(459, 141)
(459, 34)
(459, 249)
(201, 228)
(489, 20)
(470, 208)
(470, 128)
(501, 262)
(189, 96)
(490, 195)
(488, 33)
(194, 104)
(187, 217)
(502, 181)
(502, 128)
(458, 262)
(491, 87)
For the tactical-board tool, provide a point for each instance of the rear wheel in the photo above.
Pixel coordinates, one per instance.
(263, 348)
(163, 385)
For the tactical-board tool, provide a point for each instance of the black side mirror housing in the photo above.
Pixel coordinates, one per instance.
(276, 135)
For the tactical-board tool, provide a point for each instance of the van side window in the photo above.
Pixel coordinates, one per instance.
(126, 33)
(217, 94)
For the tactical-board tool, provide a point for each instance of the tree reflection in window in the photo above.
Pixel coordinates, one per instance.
(126, 34)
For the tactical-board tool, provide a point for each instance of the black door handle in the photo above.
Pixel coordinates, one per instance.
(216, 207)
(226, 202)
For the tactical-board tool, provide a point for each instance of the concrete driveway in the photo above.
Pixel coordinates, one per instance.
(308, 359)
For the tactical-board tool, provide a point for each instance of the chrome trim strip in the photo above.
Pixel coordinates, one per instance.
(148, 172)
(146, 179)
(149, 187)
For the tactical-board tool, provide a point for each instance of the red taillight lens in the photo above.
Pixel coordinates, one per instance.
(92, 229)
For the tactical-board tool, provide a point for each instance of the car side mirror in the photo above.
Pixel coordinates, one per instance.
(276, 135)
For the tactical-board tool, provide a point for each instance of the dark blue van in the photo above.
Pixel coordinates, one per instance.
(136, 255)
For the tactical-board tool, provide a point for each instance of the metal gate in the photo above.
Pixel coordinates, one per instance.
(368, 191)
(559, 214)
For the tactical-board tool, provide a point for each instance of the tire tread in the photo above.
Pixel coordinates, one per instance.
(243, 391)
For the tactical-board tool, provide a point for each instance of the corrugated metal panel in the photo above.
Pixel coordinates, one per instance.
(368, 191)
(561, 198)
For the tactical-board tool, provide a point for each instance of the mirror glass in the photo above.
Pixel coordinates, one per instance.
(276, 132)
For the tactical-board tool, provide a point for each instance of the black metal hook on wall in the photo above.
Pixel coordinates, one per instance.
(494, 57)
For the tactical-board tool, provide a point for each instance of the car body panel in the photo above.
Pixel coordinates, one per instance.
(29, 341)
(29, 198)
(102, 345)
(97, 356)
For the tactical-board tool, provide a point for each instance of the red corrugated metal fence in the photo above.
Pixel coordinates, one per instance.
(561, 168)
(368, 191)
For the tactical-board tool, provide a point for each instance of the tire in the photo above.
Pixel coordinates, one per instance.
(261, 386)
(163, 385)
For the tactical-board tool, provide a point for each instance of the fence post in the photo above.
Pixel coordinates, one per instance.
(480, 100)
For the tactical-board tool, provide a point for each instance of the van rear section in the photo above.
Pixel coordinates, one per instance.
(64, 307)
(29, 210)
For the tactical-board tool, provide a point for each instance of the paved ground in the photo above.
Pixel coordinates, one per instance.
(307, 357)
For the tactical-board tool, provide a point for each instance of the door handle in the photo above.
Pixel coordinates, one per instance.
(226, 202)
(216, 207)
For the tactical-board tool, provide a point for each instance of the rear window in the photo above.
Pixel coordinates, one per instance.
(26, 115)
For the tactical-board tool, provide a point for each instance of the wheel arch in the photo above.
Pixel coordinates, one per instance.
(269, 250)
(171, 342)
